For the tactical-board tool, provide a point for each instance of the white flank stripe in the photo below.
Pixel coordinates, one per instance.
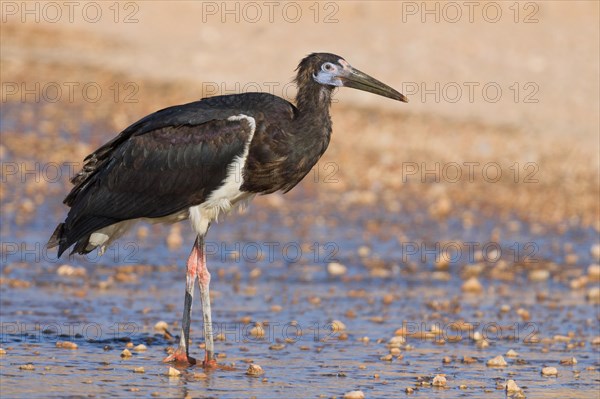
(225, 197)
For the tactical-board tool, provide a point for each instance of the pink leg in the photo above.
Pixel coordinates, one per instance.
(181, 354)
(204, 283)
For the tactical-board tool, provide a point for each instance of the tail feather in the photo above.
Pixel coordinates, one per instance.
(58, 238)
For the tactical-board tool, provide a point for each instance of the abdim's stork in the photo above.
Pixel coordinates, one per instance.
(196, 160)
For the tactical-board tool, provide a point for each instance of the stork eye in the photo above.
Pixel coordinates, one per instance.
(328, 67)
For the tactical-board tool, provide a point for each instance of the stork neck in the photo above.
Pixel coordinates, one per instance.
(313, 100)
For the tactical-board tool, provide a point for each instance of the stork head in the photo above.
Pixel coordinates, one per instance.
(332, 70)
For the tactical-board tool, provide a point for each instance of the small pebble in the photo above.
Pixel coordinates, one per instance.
(140, 370)
(161, 326)
(396, 342)
(482, 344)
(66, 345)
(125, 353)
(27, 367)
(354, 395)
(254, 370)
(336, 269)
(468, 360)
(498, 361)
(539, 275)
(439, 381)
(70, 271)
(472, 285)
(2, 352)
(549, 371)
(593, 294)
(140, 348)
(512, 353)
(511, 386)
(568, 361)
(594, 272)
(172, 372)
(257, 331)
(199, 376)
(337, 326)
(409, 390)
(595, 251)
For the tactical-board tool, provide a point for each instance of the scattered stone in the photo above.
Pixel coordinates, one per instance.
(337, 326)
(593, 294)
(257, 331)
(396, 342)
(595, 251)
(512, 353)
(477, 336)
(66, 345)
(549, 371)
(472, 285)
(161, 326)
(561, 338)
(387, 358)
(594, 272)
(354, 395)
(571, 259)
(364, 251)
(511, 386)
(129, 345)
(174, 239)
(125, 353)
(462, 386)
(568, 361)
(28, 367)
(2, 352)
(173, 372)
(199, 376)
(447, 360)
(498, 361)
(409, 390)
(469, 360)
(140, 370)
(524, 313)
(336, 269)
(140, 348)
(596, 340)
(70, 271)
(482, 344)
(276, 347)
(539, 275)
(254, 370)
(439, 381)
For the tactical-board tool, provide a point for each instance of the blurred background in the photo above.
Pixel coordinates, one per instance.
(476, 203)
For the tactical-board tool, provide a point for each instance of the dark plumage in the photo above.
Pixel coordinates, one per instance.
(197, 159)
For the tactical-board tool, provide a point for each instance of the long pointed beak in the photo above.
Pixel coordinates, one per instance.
(361, 81)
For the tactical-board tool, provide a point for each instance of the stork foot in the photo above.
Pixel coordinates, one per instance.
(180, 357)
(209, 362)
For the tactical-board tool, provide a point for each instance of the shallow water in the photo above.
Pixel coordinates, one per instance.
(139, 282)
